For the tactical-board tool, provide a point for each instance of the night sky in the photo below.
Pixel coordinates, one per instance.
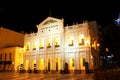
(24, 15)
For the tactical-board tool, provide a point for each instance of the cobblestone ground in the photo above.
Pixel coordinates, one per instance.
(37, 76)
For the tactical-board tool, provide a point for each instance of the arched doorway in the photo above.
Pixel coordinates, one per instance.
(82, 63)
(49, 65)
(72, 64)
(41, 64)
(57, 64)
(34, 66)
(27, 65)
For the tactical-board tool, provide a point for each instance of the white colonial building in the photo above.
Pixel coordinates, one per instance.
(55, 44)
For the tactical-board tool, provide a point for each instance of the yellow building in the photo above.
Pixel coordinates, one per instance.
(11, 49)
(11, 58)
(55, 45)
(10, 38)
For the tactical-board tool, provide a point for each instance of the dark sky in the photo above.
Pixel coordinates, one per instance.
(24, 15)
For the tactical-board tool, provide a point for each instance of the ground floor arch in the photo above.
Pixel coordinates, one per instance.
(55, 62)
(27, 65)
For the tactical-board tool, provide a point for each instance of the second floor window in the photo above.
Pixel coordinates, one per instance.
(41, 44)
(70, 41)
(57, 42)
(10, 56)
(49, 43)
(27, 47)
(81, 39)
(0, 56)
(34, 46)
(5, 56)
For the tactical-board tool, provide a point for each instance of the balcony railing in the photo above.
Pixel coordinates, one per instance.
(41, 47)
(57, 45)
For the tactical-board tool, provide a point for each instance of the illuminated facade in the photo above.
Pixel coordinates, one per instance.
(11, 58)
(55, 44)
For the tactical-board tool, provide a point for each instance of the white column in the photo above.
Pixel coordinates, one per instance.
(77, 61)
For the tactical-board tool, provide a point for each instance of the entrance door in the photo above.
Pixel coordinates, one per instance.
(57, 66)
(49, 65)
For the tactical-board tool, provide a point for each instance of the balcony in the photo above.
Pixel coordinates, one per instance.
(57, 45)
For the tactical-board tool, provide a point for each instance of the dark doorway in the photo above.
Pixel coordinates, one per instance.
(49, 65)
(57, 66)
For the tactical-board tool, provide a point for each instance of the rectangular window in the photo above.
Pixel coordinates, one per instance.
(81, 42)
(49, 43)
(56, 44)
(57, 41)
(27, 47)
(5, 56)
(71, 43)
(10, 56)
(48, 46)
(41, 44)
(0, 56)
(34, 46)
(81, 39)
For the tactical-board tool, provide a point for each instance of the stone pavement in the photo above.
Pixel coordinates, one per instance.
(37, 76)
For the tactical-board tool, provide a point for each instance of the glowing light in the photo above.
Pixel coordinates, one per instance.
(34, 61)
(42, 64)
(49, 42)
(34, 45)
(27, 46)
(70, 40)
(82, 36)
(57, 41)
(87, 42)
(71, 63)
(41, 43)
(98, 44)
(81, 39)
(27, 64)
(106, 49)
(81, 63)
(58, 61)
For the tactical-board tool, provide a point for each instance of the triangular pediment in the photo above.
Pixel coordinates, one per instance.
(49, 20)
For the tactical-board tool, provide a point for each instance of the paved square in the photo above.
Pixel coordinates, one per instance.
(37, 76)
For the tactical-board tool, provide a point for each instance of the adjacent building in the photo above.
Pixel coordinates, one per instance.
(10, 38)
(11, 49)
(11, 58)
(55, 46)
